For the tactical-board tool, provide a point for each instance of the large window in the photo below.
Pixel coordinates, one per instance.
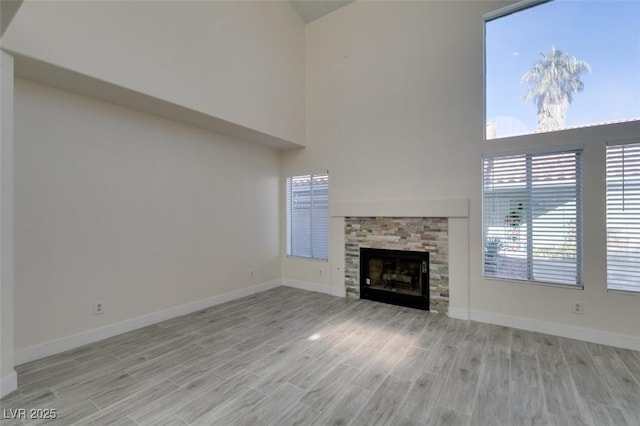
(561, 64)
(532, 217)
(308, 216)
(623, 216)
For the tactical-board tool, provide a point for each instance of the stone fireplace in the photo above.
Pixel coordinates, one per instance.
(408, 234)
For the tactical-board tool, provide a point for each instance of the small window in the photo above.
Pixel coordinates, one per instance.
(623, 216)
(561, 64)
(532, 217)
(308, 216)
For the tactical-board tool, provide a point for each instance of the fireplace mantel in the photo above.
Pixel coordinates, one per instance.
(456, 210)
(443, 207)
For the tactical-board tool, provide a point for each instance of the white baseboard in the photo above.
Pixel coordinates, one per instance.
(60, 345)
(340, 292)
(561, 330)
(459, 313)
(8, 384)
(319, 288)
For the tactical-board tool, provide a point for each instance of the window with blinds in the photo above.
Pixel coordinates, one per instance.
(308, 216)
(623, 216)
(532, 217)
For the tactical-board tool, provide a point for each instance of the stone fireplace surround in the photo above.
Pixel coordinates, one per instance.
(439, 226)
(423, 234)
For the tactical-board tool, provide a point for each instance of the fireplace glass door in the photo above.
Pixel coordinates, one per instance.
(395, 276)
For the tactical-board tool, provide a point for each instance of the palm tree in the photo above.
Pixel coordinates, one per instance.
(552, 82)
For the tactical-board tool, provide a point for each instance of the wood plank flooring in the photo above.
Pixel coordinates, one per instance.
(292, 357)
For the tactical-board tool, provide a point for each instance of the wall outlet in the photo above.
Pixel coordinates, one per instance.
(320, 271)
(98, 307)
(252, 274)
(577, 307)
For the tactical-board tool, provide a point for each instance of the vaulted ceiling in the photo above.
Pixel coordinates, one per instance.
(310, 10)
(8, 9)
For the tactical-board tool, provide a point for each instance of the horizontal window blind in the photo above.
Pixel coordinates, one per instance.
(532, 217)
(308, 216)
(623, 216)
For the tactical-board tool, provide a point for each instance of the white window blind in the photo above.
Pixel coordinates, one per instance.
(308, 216)
(532, 217)
(623, 216)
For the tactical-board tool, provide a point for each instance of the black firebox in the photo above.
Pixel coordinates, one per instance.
(395, 276)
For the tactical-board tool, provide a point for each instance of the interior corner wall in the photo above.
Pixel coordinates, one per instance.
(141, 213)
(8, 378)
(395, 112)
(239, 61)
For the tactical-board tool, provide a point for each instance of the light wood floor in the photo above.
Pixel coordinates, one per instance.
(288, 356)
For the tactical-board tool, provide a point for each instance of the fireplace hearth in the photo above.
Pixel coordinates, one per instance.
(395, 276)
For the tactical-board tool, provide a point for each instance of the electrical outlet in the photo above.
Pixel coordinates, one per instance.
(252, 274)
(98, 307)
(320, 271)
(577, 307)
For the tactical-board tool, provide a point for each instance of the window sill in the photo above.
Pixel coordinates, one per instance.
(307, 258)
(625, 292)
(533, 282)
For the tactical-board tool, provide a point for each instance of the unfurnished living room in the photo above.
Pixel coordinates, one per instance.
(320, 212)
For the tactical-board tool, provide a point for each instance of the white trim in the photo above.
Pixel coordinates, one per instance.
(561, 330)
(460, 313)
(319, 288)
(543, 150)
(437, 207)
(571, 332)
(7, 273)
(8, 384)
(579, 286)
(625, 292)
(315, 259)
(70, 342)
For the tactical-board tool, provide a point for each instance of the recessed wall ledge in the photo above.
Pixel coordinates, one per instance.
(63, 78)
(433, 207)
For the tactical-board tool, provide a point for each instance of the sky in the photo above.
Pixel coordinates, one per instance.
(604, 33)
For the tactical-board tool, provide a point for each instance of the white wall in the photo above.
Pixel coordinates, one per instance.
(8, 378)
(142, 213)
(395, 111)
(238, 61)
(137, 211)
